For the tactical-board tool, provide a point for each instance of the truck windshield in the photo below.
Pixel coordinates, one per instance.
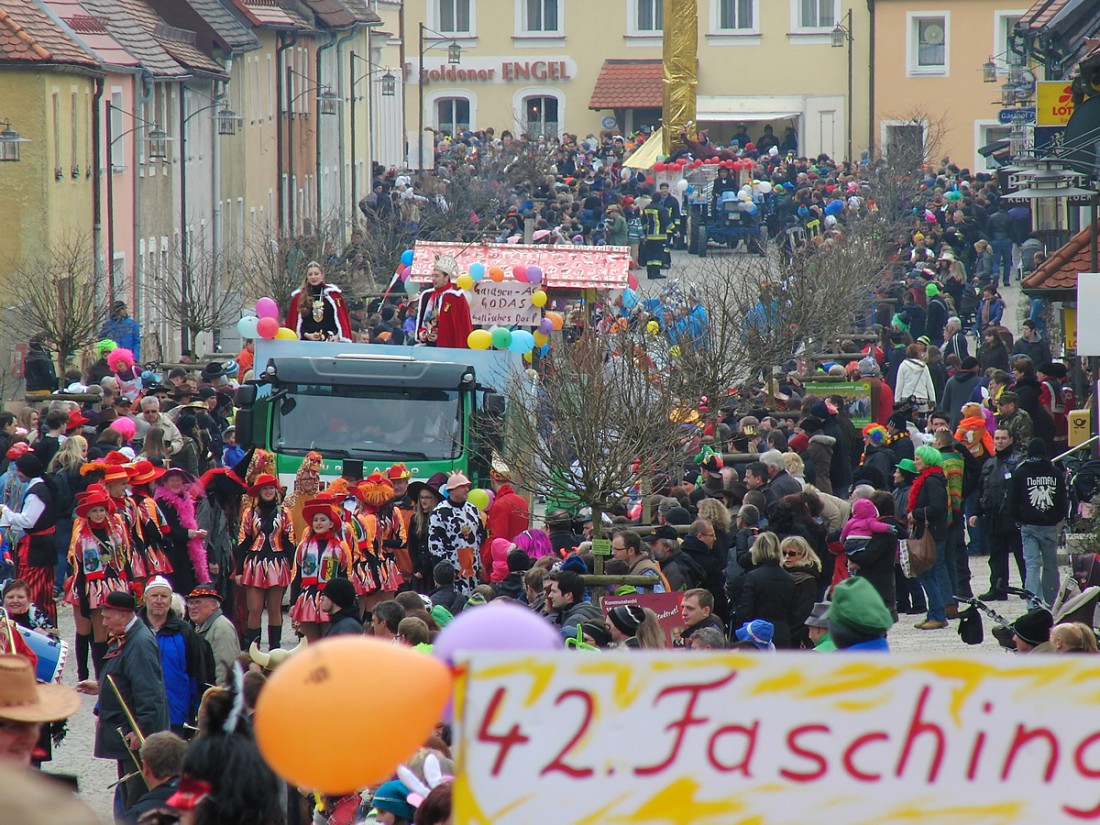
(360, 422)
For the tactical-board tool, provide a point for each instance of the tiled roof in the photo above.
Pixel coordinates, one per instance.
(1059, 271)
(133, 24)
(629, 84)
(91, 31)
(270, 14)
(1041, 13)
(29, 35)
(332, 13)
(361, 12)
(235, 34)
(180, 43)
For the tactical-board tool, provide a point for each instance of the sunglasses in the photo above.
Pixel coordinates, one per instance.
(792, 554)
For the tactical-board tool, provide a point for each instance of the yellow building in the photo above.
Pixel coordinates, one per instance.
(47, 84)
(548, 66)
(928, 75)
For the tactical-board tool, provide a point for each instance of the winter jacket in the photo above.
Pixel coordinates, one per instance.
(39, 371)
(875, 558)
(930, 506)
(1038, 350)
(506, 518)
(1019, 426)
(936, 318)
(769, 592)
(994, 508)
(990, 311)
(915, 379)
(864, 522)
(344, 623)
(1038, 493)
(219, 633)
(135, 667)
(881, 461)
(1030, 393)
(806, 587)
(784, 484)
(682, 572)
(183, 662)
(710, 562)
(840, 467)
(958, 391)
(577, 614)
(449, 598)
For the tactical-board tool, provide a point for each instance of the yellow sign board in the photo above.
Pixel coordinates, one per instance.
(1069, 328)
(779, 738)
(1080, 426)
(1054, 104)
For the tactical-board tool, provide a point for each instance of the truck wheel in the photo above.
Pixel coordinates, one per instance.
(701, 241)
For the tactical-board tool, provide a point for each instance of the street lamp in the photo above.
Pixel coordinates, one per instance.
(989, 71)
(842, 35)
(9, 143)
(327, 102)
(454, 57)
(389, 89)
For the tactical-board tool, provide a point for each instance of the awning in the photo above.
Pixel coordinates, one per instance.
(994, 148)
(747, 117)
(646, 154)
(564, 266)
(629, 84)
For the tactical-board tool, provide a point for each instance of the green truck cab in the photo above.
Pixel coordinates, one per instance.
(366, 406)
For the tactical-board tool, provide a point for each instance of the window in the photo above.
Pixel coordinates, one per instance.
(541, 116)
(930, 43)
(542, 16)
(1004, 24)
(454, 16)
(735, 14)
(650, 15)
(817, 14)
(452, 115)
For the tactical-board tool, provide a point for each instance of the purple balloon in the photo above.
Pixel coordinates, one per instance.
(534, 275)
(546, 327)
(496, 627)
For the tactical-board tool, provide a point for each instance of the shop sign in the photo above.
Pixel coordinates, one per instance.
(1055, 103)
(508, 70)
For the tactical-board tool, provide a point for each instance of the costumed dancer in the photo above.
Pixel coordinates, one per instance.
(121, 362)
(265, 548)
(400, 476)
(442, 313)
(99, 556)
(318, 311)
(322, 555)
(36, 552)
(175, 493)
(116, 476)
(376, 493)
(149, 557)
(307, 486)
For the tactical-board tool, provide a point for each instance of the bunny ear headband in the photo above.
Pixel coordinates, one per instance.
(433, 774)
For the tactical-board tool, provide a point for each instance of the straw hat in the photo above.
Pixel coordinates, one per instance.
(23, 700)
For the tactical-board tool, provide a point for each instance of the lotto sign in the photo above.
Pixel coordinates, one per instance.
(782, 739)
(1055, 103)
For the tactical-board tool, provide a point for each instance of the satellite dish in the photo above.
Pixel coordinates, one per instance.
(1081, 140)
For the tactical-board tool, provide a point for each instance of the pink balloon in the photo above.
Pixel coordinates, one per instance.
(534, 275)
(267, 308)
(267, 328)
(520, 273)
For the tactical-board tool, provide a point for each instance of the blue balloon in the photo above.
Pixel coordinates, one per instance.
(522, 342)
(407, 257)
(751, 208)
(630, 299)
(477, 271)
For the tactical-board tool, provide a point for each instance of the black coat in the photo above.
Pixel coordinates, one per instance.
(710, 562)
(137, 674)
(930, 506)
(876, 558)
(769, 592)
(840, 469)
(344, 623)
(1029, 393)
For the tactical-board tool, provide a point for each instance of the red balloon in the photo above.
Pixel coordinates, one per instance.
(659, 166)
(267, 327)
(632, 280)
(520, 273)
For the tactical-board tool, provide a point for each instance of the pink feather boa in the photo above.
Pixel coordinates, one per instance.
(184, 505)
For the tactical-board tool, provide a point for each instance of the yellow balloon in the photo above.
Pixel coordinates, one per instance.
(674, 351)
(528, 357)
(479, 339)
(464, 281)
(286, 334)
(538, 298)
(541, 339)
(394, 712)
(652, 327)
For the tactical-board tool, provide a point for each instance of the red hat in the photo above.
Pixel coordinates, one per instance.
(204, 592)
(323, 507)
(145, 472)
(95, 496)
(398, 471)
(76, 420)
(375, 489)
(17, 450)
(263, 480)
(116, 467)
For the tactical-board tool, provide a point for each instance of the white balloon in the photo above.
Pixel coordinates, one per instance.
(765, 187)
(681, 185)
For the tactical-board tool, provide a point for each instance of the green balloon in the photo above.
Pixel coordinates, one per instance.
(502, 337)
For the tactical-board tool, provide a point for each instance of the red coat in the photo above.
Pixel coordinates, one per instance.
(335, 298)
(446, 312)
(507, 518)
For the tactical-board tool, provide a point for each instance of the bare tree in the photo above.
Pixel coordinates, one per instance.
(58, 296)
(274, 264)
(201, 292)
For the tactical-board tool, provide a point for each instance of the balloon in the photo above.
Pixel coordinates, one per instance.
(522, 341)
(267, 328)
(765, 187)
(464, 281)
(681, 185)
(479, 339)
(479, 498)
(659, 166)
(502, 337)
(652, 327)
(407, 257)
(246, 327)
(674, 351)
(538, 298)
(520, 273)
(541, 339)
(528, 357)
(556, 319)
(286, 334)
(632, 280)
(411, 287)
(477, 271)
(750, 208)
(546, 326)
(396, 713)
(267, 308)
(496, 274)
(493, 627)
(534, 275)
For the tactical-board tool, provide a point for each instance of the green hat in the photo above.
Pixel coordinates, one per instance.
(906, 465)
(858, 606)
(443, 616)
(105, 346)
(931, 290)
(929, 455)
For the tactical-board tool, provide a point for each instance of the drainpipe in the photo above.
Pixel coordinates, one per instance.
(185, 246)
(97, 197)
(343, 201)
(286, 213)
(317, 131)
(871, 80)
(216, 182)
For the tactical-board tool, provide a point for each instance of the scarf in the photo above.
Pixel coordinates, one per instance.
(184, 505)
(918, 483)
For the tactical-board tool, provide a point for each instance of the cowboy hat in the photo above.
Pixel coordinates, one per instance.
(145, 472)
(22, 700)
(94, 496)
(434, 484)
(399, 471)
(269, 661)
(263, 480)
(456, 480)
(321, 507)
(176, 471)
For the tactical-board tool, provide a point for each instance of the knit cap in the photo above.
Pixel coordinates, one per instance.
(857, 606)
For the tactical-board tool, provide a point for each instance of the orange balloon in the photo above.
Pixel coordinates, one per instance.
(556, 319)
(344, 713)
(496, 274)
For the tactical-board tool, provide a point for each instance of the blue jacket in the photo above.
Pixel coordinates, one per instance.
(126, 332)
(181, 662)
